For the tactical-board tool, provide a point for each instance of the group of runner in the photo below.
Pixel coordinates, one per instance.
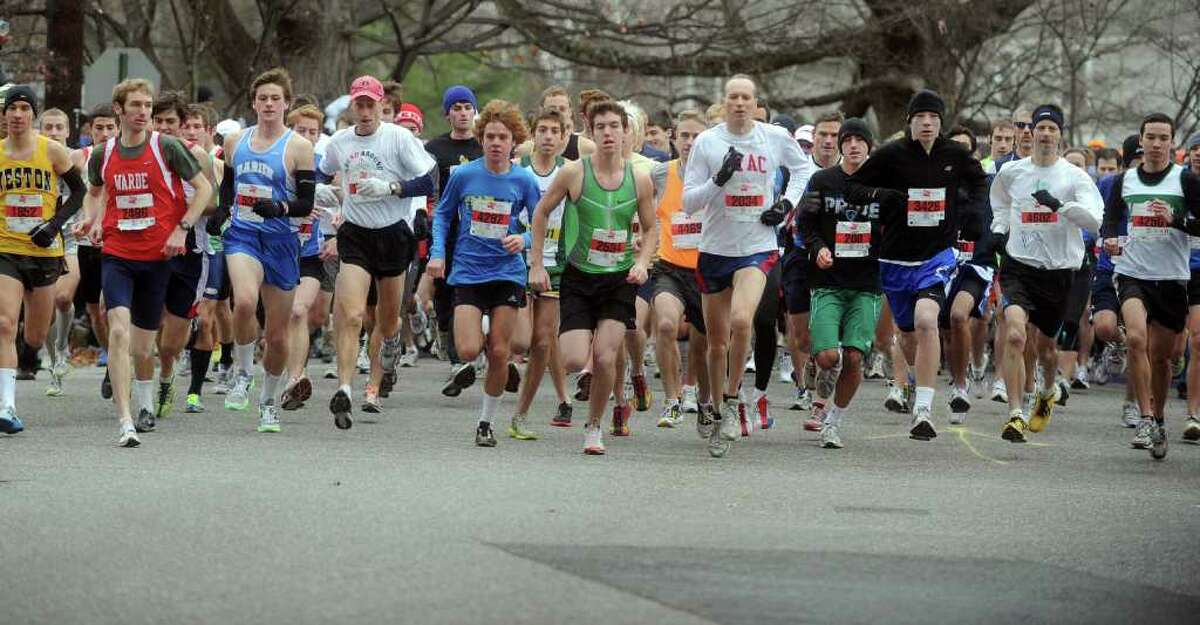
(568, 250)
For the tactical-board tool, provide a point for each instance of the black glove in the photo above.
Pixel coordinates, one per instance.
(1044, 198)
(269, 208)
(213, 225)
(811, 203)
(45, 233)
(999, 243)
(774, 216)
(420, 225)
(731, 164)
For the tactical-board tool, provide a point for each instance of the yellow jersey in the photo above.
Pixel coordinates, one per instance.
(29, 196)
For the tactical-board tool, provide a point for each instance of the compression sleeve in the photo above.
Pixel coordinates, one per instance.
(421, 185)
(66, 210)
(1114, 210)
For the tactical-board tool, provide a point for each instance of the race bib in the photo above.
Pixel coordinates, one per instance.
(304, 228)
(22, 211)
(134, 211)
(685, 231)
(489, 217)
(607, 248)
(1034, 215)
(550, 243)
(1144, 225)
(852, 239)
(926, 207)
(247, 195)
(745, 200)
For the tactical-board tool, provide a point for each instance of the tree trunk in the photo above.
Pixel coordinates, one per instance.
(314, 45)
(64, 67)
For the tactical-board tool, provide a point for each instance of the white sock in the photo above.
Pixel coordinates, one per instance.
(490, 404)
(270, 389)
(243, 357)
(833, 416)
(345, 388)
(8, 388)
(143, 394)
(924, 397)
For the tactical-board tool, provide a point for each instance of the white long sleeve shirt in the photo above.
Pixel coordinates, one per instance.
(731, 212)
(1038, 236)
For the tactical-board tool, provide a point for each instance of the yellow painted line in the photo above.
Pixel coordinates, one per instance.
(962, 436)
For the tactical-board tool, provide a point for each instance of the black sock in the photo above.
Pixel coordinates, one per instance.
(226, 355)
(200, 358)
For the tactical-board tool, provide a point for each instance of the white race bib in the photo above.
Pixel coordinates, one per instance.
(489, 217)
(607, 248)
(134, 211)
(1144, 225)
(926, 207)
(685, 231)
(22, 211)
(852, 239)
(247, 195)
(745, 200)
(550, 243)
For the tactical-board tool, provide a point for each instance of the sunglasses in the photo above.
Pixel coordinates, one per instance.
(1023, 125)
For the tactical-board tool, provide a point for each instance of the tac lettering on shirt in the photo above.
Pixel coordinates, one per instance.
(489, 217)
(685, 231)
(926, 207)
(852, 239)
(22, 211)
(247, 196)
(1146, 221)
(607, 248)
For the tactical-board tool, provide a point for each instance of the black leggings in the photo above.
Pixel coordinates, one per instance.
(765, 321)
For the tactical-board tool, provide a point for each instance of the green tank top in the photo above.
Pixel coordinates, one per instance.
(596, 228)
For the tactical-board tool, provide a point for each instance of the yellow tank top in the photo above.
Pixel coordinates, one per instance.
(28, 195)
(678, 232)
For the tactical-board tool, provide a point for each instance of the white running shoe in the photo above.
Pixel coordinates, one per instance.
(786, 368)
(731, 427)
(1080, 381)
(129, 437)
(829, 436)
(689, 403)
(409, 358)
(364, 359)
(1191, 430)
(1141, 436)
(960, 405)
(1130, 415)
(895, 401)
(922, 427)
(593, 441)
(802, 401)
(999, 391)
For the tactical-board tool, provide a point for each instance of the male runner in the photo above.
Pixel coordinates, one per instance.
(1039, 205)
(143, 222)
(54, 125)
(599, 285)
(383, 170)
(731, 177)
(1000, 144)
(31, 250)
(1191, 429)
(268, 182)
(557, 98)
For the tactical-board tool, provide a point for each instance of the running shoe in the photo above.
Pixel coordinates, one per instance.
(813, 424)
(1141, 436)
(330, 373)
(61, 367)
(339, 407)
(620, 419)
(826, 380)
(744, 422)
(802, 401)
(999, 391)
(484, 436)
(1099, 370)
(671, 415)
(371, 403)
(390, 351)
(166, 399)
(183, 366)
(518, 431)
(10, 423)
(128, 438)
(1079, 381)
(562, 418)
(960, 404)
(717, 445)
(1043, 410)
(145, 421)
(1062, 392)
(239, 394)
(896, 401)
(705, 425)
(193, 404)
(786, 368)
(102, 359)
(922, 427)
(641, 393)
(593, 440)
(1014, 429)
(876, 370)
(1131, 416)
(409, 358)
(762, 408)
(829, 436)
(1191, 430)
(730, 429)
(689, 402)
(364, 358)
(977, 376)
(387, 382)
(462, 377)
(296, 393)
(268, 419)
(54, 389)
(809, 379)
(221, 386)
(513, 383)
(750, 367)
(583, 386)
(1158, 441)
(106, 386)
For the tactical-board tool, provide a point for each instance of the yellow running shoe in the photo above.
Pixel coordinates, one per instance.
(1043, 410)
(1014, 430)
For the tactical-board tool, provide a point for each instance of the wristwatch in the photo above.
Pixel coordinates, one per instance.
(185, 226)
(395, 187)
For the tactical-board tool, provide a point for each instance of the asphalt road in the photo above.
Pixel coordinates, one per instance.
(405, 521)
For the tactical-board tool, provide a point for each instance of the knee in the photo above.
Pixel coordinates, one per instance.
(851, 360)
(604, 360)
(498, 355)
(574, 362)
(62, 301)
(8, 327)
(827, 359)
(141, 350)
(1016, 337)
(740, 325)
(959, 319)
(245, 307)
(349, 318)
(1135, 340)
(666, 329)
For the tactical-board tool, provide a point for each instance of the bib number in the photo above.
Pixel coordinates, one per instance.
(745, 201)
(926, 207)
(304, 228)
(550, 243)
(1145, 225)
(134, 211)
(852, 239)
(489, 217)
(22, 211)
(247, 195)
(607, 248)
(1034, 215)
(685, 231)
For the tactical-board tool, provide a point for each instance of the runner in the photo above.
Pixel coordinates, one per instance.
(917, 182)
(1152, 269)
(488, 274)
(549, 130)
(144, 222)
(1039, 206)
(676, 294)
(731, 177)
(383, 170)
(1000, 144)
(269, 179)
(31, 250)
(1191, 430)
(843, 240)
(557, 98)
(55, 125)
(599, 285)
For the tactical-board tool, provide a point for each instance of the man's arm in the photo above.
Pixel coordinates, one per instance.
(647, 216)
(443, 215)
(699, 189)
(1084, 207)
(568, 177)
(206, 167)
(1114, 210)
(973, 223)
(798, 165)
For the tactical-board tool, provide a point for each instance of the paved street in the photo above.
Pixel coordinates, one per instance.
(405, 521)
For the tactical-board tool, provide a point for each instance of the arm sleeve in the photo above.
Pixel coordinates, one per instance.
(306, 189)
(1114, 210)
(178, 157)
(798, 165)
(443, 215)
(658, 176)
(1084, 208)
(421, 185)
(94, 165)
(699, 190)
(1001, 204)
(67, 209)
(810, 225)
(225, 202)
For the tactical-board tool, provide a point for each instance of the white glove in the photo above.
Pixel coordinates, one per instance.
(326, 197)
(373, 187)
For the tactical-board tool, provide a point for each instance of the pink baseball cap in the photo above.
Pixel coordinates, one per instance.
(410, 112)
(366, 86)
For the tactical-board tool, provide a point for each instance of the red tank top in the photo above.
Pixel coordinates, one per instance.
(145, 202)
